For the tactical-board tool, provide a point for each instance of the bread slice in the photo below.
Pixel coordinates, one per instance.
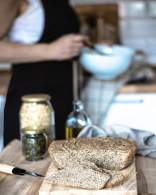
(117, 177)
(80, 176)
(67, 177)
(107, 153)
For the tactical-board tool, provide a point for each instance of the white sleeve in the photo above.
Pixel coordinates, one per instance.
(28, 27)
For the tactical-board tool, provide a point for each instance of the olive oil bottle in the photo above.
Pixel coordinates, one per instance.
(76, 120)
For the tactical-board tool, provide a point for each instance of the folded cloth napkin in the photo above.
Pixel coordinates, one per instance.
(146, 141)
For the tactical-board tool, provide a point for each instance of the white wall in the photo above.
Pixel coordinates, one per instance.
(138, 26)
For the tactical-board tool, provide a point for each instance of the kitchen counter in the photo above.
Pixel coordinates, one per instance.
(4, 81)
(131, 88)
(20, 185)
(139, 88)
(26, 185)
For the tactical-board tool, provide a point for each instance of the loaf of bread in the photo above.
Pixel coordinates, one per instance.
(107, 153)
(118, 177)
(87, 175)
(79, 176)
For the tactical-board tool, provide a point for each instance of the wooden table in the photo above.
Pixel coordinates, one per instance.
(4, 81)
(26, 185)
(139, 88)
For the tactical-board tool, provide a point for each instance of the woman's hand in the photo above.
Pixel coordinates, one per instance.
(65, 47)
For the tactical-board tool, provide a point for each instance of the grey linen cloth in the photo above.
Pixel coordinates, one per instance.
(146, 141)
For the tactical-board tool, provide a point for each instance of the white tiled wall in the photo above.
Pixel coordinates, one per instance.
(138, 27)
(132, 8)
(137, 24)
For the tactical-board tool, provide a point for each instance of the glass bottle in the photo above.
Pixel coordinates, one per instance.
(76, 120)
(37, 125)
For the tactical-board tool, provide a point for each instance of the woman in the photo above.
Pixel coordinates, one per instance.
(46, 65)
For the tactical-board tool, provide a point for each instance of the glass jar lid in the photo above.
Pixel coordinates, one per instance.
(36, 98)
(30, 131)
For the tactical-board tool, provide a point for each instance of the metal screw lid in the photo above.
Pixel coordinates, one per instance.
(30, 131)
(36, 98)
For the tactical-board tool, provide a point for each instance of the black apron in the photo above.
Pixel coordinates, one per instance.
(54, 77)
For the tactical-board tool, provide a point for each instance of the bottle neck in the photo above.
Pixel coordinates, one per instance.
(78, 106)
(78, 109)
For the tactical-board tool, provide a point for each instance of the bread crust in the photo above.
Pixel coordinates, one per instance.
(79, 176)
(108, 153)
(91, 163)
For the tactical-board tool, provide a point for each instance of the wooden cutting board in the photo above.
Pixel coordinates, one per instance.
(128, 188)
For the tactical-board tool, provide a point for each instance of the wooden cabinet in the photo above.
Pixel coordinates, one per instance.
(99, 21)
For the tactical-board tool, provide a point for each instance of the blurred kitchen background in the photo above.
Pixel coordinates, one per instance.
(129, 97)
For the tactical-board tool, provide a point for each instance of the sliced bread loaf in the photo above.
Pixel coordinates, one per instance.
(79, 176)
(107, 153)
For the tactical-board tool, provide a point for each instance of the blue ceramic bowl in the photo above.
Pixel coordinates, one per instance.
(114, 61)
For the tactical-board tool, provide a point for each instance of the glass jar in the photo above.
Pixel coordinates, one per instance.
(34, 144)
(36, 121)
(76, 120)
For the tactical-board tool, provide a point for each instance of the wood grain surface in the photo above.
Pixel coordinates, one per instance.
(128, 188)
(26, 185)
(20, 185)
(146, 176)
(4, 81)
(142, 88)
